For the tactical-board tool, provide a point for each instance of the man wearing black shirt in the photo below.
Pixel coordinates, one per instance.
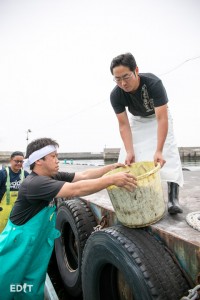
(146, 128)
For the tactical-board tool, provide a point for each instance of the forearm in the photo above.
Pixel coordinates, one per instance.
(161, 133)
(84, 187)
(90, 186)
(95, 173)
(162, 126)
(126, 135)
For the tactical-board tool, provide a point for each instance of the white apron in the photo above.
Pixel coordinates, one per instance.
(144, 131)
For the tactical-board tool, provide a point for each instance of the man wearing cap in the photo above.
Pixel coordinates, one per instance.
(27, 241)
(10, 179)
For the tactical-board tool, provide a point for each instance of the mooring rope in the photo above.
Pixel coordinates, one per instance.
(193, 219)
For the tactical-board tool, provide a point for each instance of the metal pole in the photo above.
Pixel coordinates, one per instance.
(27, 135)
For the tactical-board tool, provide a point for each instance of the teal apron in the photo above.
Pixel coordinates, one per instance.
(25, 252)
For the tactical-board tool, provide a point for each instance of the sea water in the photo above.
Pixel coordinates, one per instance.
(190, 165)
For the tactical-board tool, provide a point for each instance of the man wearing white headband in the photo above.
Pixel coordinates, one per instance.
(27, 241)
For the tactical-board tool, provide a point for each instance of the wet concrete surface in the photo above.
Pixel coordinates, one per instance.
(189, 199)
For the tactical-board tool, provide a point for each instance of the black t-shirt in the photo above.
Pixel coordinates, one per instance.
(35, 193)
(150, 94)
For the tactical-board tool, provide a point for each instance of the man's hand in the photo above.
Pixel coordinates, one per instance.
(158, 158)
(126, 180)
(130, 158)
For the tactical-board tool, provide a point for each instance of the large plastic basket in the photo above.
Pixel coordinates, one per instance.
(145, 205)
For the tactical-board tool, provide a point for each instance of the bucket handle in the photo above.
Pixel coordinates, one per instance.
(150, 172)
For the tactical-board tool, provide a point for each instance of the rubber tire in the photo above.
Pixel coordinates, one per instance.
(142, 260)
(76, 222)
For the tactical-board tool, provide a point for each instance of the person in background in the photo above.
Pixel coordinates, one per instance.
(27, 241)
(10, 179)
(147, 129)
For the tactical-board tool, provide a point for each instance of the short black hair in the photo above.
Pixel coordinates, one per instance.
(39, 144)
(16, 153)
(126, 59)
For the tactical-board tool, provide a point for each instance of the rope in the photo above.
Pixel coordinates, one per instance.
(193, 294)
(193, 219)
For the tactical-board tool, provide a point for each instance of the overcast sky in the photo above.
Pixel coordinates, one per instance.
(54, 67)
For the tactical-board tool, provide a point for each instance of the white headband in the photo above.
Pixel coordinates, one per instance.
(36, 155)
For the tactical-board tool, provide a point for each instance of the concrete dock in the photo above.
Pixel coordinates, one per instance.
(110, 154)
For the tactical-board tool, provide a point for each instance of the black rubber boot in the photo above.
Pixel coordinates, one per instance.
(173, 198)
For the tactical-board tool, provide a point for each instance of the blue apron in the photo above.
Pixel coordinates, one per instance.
(25, 252)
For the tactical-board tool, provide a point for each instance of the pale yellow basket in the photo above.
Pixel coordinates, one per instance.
(145, 205)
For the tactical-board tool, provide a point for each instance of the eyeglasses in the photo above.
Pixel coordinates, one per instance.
(18, 161)
(125, 78)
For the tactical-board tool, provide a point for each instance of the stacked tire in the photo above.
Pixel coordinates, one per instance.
(123, 263)
(116, 263)
(76, 222)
